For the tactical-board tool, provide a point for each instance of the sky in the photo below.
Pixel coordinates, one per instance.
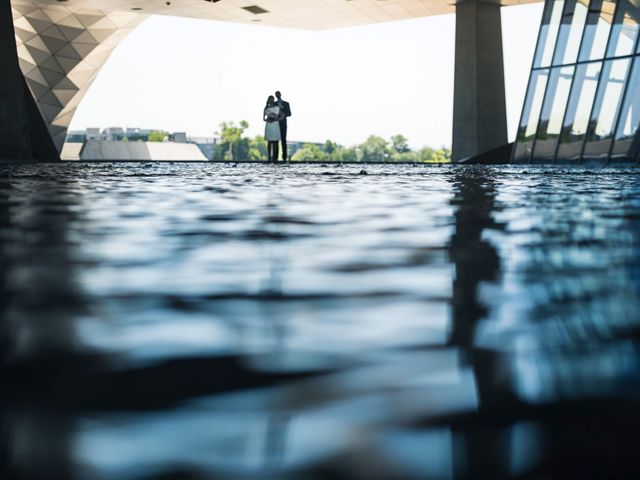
(179, 74)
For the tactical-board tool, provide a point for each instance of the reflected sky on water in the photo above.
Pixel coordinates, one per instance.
(192, 321)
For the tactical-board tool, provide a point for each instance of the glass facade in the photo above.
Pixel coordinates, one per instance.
(583, 98)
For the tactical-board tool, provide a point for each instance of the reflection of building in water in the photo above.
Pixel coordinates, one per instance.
(548, 320)
(476, 261)
(41, 302)
(38, 251)
(572, 310)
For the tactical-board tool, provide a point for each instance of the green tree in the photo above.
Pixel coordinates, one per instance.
(257, 148)
(408, 156)
(347, 155)
(230, 134)
(425, 155)
(374, 149)
(400, 144)
(330, 148)
(309, 153)
(442, 155)
(158, 136)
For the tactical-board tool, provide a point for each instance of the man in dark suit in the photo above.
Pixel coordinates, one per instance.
(285, 111)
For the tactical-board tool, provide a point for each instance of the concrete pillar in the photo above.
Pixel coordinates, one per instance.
(15, 142)
(479, 109)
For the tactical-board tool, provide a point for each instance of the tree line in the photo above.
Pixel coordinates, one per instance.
(234, 146)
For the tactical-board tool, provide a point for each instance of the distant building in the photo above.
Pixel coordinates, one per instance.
(93, 134)
(77, 136)
(116, 143)
(116, 134)
(178, 137)
(206, 145)
(113, 134)
(137, 134)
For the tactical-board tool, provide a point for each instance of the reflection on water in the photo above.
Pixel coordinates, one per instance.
(210, 321)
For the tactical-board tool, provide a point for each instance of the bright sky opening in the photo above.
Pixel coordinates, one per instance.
(188, 75)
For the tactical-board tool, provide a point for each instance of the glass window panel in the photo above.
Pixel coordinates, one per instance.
(536, 95)
(576, 119)
(522, 152)
(571, 27)
(548, 33)
(530, 114)
(596, 31)
(625, 29)
(605, 109)
(624, 146)
(552, 113)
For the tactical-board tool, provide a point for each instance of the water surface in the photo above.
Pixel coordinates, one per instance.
(210, 321)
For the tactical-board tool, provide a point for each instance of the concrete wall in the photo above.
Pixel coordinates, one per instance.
(140, 151)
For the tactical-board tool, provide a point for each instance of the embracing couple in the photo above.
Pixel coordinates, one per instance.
(275, 114)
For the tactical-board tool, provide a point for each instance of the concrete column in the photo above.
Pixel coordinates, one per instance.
(479, 109)
(15, 143)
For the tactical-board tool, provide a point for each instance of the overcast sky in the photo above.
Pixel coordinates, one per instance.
(188, 75)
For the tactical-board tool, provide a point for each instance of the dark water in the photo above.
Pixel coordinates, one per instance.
(204, 321)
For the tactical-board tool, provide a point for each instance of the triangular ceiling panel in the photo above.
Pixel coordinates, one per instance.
(104, 24)
(86, 37)
(60, 49)
(52, 77)
(50, 112)
(89, 20)
(38, 15)
(64, 96)
(53, 44)
(98, 60)
(55, 14)
(80, 78)
(65, 84)
(37, 42)
(70, 21)
(54, 32)
(83, 49)
(64, 119)
(39, 25)
(37, 89)
(36, 76)
(70, 33)
(67, 64)
(101, 34)
(68, 52)
(24, 24)
(23, 8)
(51, 99)
(51, 64)
(23, 35)
(83, 67)
(26, 66)
(124, 19)
(38, 55)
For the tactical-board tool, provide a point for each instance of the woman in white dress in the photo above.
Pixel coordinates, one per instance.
(272, 129)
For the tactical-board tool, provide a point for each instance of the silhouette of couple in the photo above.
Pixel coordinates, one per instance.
(275, 114)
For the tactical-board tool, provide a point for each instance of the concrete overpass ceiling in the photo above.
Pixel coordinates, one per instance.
(301, 14)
